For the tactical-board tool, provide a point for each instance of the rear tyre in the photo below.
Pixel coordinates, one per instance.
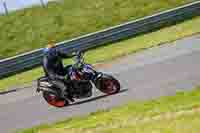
(108, 85)
(54, 100)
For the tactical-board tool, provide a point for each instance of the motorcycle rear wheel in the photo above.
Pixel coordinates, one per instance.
(54, 100)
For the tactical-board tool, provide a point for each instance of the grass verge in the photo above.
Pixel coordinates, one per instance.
(109, 52)
(179, 113)
(32, 28)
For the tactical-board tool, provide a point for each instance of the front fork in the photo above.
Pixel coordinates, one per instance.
(97, 76)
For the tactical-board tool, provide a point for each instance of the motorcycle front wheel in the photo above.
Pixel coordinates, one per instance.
(108, 84)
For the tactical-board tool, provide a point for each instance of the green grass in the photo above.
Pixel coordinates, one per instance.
(179, 113)
(32, 28)
(117, 49)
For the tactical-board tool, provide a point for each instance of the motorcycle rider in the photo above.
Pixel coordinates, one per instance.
(54, 68)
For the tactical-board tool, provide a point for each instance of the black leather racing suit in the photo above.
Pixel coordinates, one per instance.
(54, 68)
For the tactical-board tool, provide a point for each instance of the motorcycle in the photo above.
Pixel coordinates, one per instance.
(82, 78)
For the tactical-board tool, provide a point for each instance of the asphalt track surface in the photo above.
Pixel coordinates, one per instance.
(149, 74)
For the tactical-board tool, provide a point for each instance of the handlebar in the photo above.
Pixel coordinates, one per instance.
(79, 54)
(78, 58)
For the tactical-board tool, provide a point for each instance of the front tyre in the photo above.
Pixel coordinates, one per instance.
(54, 100)
(108, 84)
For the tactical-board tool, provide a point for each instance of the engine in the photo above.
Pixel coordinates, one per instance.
(81, 81)
(81, 88)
